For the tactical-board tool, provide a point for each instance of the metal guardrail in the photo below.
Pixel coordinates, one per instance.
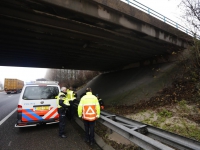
(159, 16)
(145, 136)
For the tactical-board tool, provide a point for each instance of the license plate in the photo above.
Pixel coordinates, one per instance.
(42, 108)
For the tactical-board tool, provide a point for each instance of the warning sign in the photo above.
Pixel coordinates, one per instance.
(89, 111)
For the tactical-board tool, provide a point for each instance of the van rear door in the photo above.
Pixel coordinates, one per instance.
(39, 103)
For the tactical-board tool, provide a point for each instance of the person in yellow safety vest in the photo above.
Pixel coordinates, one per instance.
(71, 96)
(89, 110)
(62, 107)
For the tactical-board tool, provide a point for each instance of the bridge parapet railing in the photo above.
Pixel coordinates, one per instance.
(159, 16)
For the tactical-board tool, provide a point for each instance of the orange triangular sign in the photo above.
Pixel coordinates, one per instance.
(90, 111)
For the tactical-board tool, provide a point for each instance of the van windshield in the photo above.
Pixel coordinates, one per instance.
(40, 92)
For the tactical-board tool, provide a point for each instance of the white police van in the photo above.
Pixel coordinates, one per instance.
(37, 104)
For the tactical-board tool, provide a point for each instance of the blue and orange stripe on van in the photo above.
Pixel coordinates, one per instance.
(30, 115)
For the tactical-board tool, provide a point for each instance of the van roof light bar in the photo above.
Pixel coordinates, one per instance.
(42, 82)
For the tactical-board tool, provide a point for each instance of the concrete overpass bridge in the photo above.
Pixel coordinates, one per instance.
(101, 35)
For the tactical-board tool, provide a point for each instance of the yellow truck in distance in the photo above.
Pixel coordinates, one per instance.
(13, 85)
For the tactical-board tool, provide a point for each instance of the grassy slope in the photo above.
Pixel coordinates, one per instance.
(180, 118)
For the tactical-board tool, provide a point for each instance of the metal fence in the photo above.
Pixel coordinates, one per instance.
(159, 16)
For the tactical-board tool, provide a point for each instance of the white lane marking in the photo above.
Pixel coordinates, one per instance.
(10, 95)
(4, 119)
(9, 143)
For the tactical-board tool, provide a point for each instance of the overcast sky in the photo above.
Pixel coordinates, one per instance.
(22, 73)
(168, 8)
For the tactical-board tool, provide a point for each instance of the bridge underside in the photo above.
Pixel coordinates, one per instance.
(40, 34)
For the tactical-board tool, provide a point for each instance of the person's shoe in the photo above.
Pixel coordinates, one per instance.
(63, 136)
(87, 141)
(91, 143)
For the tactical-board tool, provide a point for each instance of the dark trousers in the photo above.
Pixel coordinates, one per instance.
(89, 130)
(71, 110)
(62, 121)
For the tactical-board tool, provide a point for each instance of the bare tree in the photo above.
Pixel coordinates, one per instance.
(191, 14)
(74, 78)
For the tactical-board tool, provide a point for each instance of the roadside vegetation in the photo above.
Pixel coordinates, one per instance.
(73, 78)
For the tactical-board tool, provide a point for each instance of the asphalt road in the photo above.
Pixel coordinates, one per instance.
(8, 102)
(36, 138)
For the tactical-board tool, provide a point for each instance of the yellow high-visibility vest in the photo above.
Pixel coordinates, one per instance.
(89, 107)
(66, 102)
(70, 95)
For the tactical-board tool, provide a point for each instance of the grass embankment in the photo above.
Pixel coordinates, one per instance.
(181, 118)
